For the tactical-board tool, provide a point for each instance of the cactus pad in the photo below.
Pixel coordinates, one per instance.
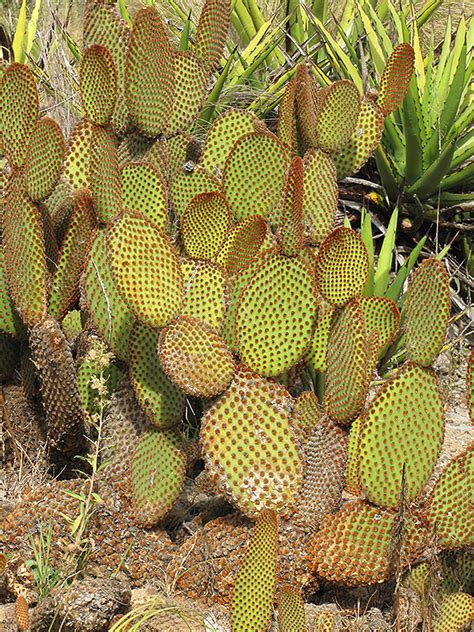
(396, 78)
(161, 401)
(337, 114)
(316, 356)
(306, 94)
(205, 292)
(77, 164)
(382, 316)
(276, 314)
(292, 210)
(190, 88)
(146, 269)
(144, 190)
(291, 616)
(470, 385)
(242, 244)
(249, 446)
(204, 225)
(320, 195)
(254, 589)
(428, 309)
(195, 358)
(407, 414)
(352, 483)
(9, 321)
(44, 159)
(104, 175)
(158, 469)
(254, 175)
(342, 266)
(211, 32)
(98, 84)
(149, 73)
(186, 185)
(456, 612)
(19, 107)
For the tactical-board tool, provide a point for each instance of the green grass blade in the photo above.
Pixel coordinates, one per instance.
(384, 264)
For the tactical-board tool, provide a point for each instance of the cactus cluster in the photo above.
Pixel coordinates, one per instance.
(226, 278)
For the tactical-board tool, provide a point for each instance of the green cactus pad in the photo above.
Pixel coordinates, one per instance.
(161, 401)
(9, 353)
(104, 175)
(212, 31)
(342, 267)
(254, 175)
(174, 156)
(44, 160)
(352, 483)
(287, 132)
(204, 225)
(19, 108)
(9, 322)
(103, 26)
(306, 414)
(149, 74)
(349, 371)
(363, 141)
(205, 292)
(248, 445)
(275, 316)
(407, 414)
(146, 269)
(186, 185)
(225, 131)
(317, 353)
(242, 244)
(337, 115)
(72, 257)
(427, 313)
(396, 78)
(195, 357)
(158, 469)
(77, 163)
(470, 385)
(144, 190)
(109, 313)
(354, 547)
(98, 84)
(307, 94)
(190, 90)
(320, 195)
(24, 250)
(292, 210)
(456, 613)
(291, 616)
(382, 316)
(254, 589)
(450, 505)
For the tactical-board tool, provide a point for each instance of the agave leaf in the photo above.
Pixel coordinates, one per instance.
(384, 264)
(18, 44)
(387, 176)
(413, 128)
(430, 180)
(210, 109)
(32, 26)
(185, 33)
(367, 238)
(425, 12)
(396, 288)
(124, 12)
(373, 37)
(461, 177)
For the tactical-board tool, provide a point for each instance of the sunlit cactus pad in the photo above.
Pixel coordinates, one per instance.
(320, 195)
(316, 356)
(470, 385)
(291, 224)
(205, 292)
(249, 446)
(291, 616)
(144, 190)
(337, 112)
(382, 316)
(427, 311)
(254, 589)
(403, 429)
(191, 79)
(146, 269)
(342, 267)
(354, 547)
(212, 31)
(242, 244)
(98, 84)
(455, 613)
(204, 225)
(186, 185)
(44, 160)
(396, 78)
(104, 175)
(9, 321)
(225, 131)
(276, 314)
(195, 357)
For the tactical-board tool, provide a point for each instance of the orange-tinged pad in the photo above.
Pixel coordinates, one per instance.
(191, 79)
(320, 195)
(44, 160)
(212, 31)
(204, 225)
(98, 84)
(242, 244)
(396, 78)
(186, 185)
(291, 235)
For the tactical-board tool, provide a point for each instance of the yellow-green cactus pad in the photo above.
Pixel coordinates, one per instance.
(470, 385)
(44, 160)
(382, 316)
(77, 163)
(363, 141)
(225, 131)
(242, 244)
(19, 108)
(255, 174)
(354, 547)
(307, 94)
(149, 74)
(195, 357)
(24, 250)
(337, 115)
(144, 190)
(107, 310)
(396, 78)
(457, 569)
(291, 227)
(103, 26)
(9, 354)
(316, 355)
(352, 483)
(98, 84)
(342, 267)
(190, 86)
(204, 225)
(249, 446)
(291, 616)
(146, 269)
(306, 415)
(158, 469)
(205, 292)
(254, 589)
(104, 175)
(456, 613)
(176, 148)
(402, 429)
(427, 313)
(287, 132)
(450, 505)
(320, 195)
(72, 258)
(275, 317)
(186, 185)
(349, 370)
(212, 31)
(9, 321)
